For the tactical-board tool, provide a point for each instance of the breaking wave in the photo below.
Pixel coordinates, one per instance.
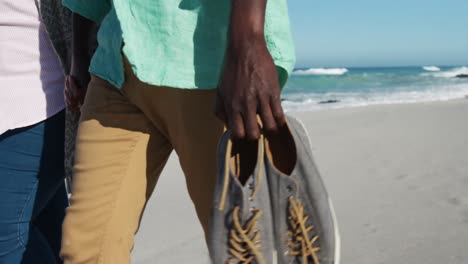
(321, 71)
(311, 89)
(451, 73)
(431, 68)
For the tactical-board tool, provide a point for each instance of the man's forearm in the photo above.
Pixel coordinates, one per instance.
(249, 85)
(83, 44)
(247, 22)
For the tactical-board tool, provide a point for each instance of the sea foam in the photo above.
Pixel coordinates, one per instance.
(368, 86)
(321, 71)
(307, 102)
(431, 68)
(452, 73)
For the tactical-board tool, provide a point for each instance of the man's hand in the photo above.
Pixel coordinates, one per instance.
(249, 82)
(75, 92)
(83, 46)
(249, 86)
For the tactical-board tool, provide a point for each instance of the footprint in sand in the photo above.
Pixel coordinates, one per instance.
(454, 201)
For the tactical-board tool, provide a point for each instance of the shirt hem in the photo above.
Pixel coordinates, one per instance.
(286, 66)
(32, 121)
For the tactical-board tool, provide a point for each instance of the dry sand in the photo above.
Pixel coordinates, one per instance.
(398, 176)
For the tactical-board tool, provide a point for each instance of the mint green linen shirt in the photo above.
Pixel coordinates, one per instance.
(175, 43)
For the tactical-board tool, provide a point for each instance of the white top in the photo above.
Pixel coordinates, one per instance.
(31, 77)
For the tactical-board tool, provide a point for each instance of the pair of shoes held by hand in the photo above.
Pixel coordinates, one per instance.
(270, 204)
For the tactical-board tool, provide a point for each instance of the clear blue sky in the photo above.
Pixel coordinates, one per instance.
(333, 33)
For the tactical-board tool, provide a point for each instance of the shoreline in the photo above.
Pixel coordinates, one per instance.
(335, 106)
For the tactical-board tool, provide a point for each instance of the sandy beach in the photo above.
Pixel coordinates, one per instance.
(397, 174)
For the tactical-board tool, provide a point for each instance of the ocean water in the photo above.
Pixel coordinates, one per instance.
(351, 87)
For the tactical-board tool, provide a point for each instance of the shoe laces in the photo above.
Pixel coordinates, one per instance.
(244, 239)
(227, 171)
(301, 243)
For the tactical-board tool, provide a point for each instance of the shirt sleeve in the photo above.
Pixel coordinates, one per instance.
(94, 10)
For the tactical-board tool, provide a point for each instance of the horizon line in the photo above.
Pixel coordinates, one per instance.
(393, 66)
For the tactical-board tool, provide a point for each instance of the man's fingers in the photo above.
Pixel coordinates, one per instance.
(268, 121)
(71, 95)
(73, 86)
(251, 125)
(277, 110)
(68, 97)
(236, 124)
(74, 109)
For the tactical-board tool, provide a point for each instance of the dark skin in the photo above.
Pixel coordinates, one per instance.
(249, 83)
(84, 32)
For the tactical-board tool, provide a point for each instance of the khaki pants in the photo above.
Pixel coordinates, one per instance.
(124, 140)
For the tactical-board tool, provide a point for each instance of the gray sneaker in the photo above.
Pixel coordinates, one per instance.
(241, 228)
(304, 221)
